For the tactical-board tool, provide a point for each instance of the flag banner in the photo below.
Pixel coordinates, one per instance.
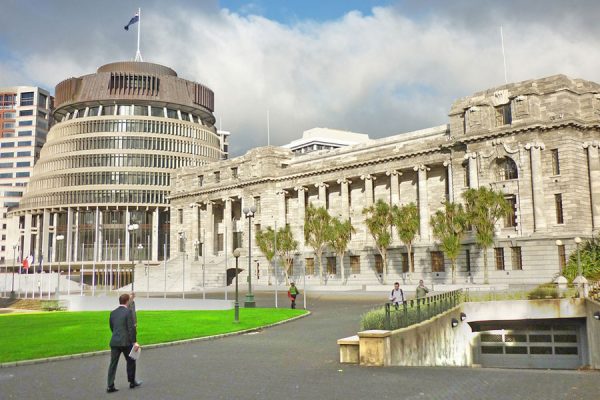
(132, 21)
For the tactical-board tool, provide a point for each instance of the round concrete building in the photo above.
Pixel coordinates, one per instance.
(99, 191)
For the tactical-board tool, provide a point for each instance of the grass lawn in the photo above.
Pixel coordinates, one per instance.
(49, 334)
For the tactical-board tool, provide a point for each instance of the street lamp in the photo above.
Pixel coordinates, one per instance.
(580, 279)
(132, 228)
(236, 254)
(196, 247)
(59, 238)
(182, 248)
(12, 288)
(249, 213)
(560, 280)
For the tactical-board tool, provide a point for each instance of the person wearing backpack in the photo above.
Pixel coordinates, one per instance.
(397, 295)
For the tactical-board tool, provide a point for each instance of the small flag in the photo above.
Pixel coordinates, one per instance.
(132, 21)
(26, 263)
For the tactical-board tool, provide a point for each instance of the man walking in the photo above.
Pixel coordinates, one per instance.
(397, 295)
(421, 291)
(123, 340)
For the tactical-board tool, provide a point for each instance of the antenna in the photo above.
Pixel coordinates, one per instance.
(503, 55)
(268, 129)
(138, 54)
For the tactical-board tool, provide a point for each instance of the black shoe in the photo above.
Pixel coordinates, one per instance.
(135, 384)
(111, 389)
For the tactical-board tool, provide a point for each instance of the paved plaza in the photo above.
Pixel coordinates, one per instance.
(297, 360)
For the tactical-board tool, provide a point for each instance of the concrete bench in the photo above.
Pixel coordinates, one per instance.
(349, 350)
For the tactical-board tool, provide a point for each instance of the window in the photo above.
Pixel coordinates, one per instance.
(24, 133)
(507, 169)
(42, 100)
(7, 144)
(331, 269)
(180, 216)
(355, 265)
(559, 208)
(23, 113)
(24, 143)
(27, 99)
(499, 255)
(555, 162)
(8, 125)
(466, 178)
(378, 264)
(234, 172)
(26, 123)
(562, 257)
(437, 261)
(200, 180)
(310, 266)
(24, 164)
(516, 258)
(405, 266)
(172, 113)
(219, 242)
(7, 155)
(22, 174)
(217, 176)
(503, 115)
(23, 154)
(510, 220)
(157, 112)
(468, 261)
(257, 203)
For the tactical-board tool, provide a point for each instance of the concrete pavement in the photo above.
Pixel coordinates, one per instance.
(298, 360)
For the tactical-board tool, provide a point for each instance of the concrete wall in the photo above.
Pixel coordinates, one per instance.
(593, 333)
(524, 309)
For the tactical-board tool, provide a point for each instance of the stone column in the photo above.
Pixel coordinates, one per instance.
(228, 219)
(209, 224)
(368, 189)
(281, 214)
(537, 187)
(594, 172)
(473, 176)
(322, 186)
(156, 242)
(45, 232)
(345, 197)
(97, 237)
(127, 234)
(394, 186)
(301, 207)
(69, 235)
(195, 225)
(27, 235)
(448, 165)
(423, 201)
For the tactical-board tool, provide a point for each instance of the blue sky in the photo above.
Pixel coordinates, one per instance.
(376, 67)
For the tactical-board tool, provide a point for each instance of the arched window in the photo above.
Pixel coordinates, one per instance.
(506, 169)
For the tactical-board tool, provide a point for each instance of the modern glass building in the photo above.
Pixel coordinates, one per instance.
(25, 115)
(99, 190)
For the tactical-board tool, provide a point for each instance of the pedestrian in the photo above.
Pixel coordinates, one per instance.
(292, 293)
(131, 306)
(123, 340)
(397, 295)
(422, 290)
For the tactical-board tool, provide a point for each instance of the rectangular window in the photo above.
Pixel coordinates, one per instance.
(26, 99)
(7, 144)
(503, 115)
(180, 216)
(24, 133)
(220, 242)
(234, 172)
(26, 123)
(437, 261)
(7, 155)
(499, 255)
(23, 154)
(6, 175)
(331, 269)
(468, 261)
(24, 164)
(42, 98)
(257, 203)
(555, 162)
(378, 264)
(510, 220)
(24, 143)
(237, 240)
(516, 258)
(466, 178)
(22, 174)
(200, 180)
(310, 266)
(405, 265)
(217, 176)
(559, 208)
(355, 265)
(24, 113)
(562, 257)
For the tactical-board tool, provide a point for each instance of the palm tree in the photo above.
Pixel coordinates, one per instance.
(484, 208)
(286, 247)
(406, 221)
(317, 232)
(379, 222)
(265, 240)
(449, 226)
(341, 235)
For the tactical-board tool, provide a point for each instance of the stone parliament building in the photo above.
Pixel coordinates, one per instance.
(536, 141)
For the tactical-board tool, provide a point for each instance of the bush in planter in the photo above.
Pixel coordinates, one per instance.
(544, 291)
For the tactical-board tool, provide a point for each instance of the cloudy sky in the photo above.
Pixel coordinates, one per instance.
(379, 67)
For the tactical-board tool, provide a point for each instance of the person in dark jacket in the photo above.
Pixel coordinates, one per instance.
(123, 339)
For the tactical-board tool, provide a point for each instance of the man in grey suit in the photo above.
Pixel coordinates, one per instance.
(122, 341)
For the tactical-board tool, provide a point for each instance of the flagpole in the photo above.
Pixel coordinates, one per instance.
(138, 54)
(503, 55)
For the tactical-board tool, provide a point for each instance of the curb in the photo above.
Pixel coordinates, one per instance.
(149, 346)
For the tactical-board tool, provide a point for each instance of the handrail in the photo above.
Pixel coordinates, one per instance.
(417, 310)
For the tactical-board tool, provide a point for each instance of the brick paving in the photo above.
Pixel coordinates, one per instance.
(298, 360)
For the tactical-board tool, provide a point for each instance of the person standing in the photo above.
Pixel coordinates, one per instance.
(397, 295)
(123, 340)
(422, 290)
(293, 293)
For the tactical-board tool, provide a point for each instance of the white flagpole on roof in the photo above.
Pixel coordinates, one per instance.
(138, 54)
(503, 55)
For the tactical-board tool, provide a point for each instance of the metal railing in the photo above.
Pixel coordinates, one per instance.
(417, 310)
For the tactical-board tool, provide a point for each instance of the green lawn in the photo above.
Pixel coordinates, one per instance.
(39, 335)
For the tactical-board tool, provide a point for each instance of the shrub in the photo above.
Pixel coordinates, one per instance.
(374, 319)
(544, 291)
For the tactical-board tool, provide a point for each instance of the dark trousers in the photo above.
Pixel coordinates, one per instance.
(293, 300)
(115, 353)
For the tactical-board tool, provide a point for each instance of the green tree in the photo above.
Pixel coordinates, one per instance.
(589, 256)
(484, 208)
(286, 248)
(340, 237)
(317, 233)
(379, 223)
(406, 220)
(265, 240)
(449, 226)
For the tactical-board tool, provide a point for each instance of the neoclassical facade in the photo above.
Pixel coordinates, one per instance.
(99, 192)
(536, 141)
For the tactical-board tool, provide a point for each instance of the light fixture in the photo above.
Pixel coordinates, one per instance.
(463, 316)
(454, 322)
(597, 315)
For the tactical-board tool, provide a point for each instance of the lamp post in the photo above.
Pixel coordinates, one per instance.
(249, 213)
(182, 248)
(560, 280)
(236, 307)
(59, 238)
(12, 288)
(132, 228)
(196, 247)
(580, 279)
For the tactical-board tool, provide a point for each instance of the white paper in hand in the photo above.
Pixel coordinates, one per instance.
(135, 354)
